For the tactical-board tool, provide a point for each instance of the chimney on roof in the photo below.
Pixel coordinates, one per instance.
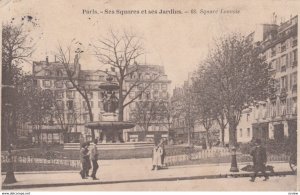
(47, 60)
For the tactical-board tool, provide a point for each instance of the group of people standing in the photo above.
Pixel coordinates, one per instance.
(88, 159)
(158, 156)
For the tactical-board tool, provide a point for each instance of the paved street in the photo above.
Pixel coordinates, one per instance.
(129, 172)
(287, 183)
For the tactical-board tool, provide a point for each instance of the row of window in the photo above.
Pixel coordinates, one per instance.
(95, 77)
(152, 128)
(147, 95)
(70, 104)
(248, 133)
(155, 86)
(287, 82)
(57, 84)
(282, 47)
(57, 73)
(144, 76)
(285, 61)
(277, 108)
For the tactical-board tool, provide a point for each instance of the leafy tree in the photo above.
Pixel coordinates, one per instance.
(237, 76)
(17, 47)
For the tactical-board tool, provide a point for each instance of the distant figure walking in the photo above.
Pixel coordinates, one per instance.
(88, 161)
(259, 155)
(162, 145)
(84, 156)
(94, 159)
(156, 158)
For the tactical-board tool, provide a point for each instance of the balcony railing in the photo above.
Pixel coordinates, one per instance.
(294, 43)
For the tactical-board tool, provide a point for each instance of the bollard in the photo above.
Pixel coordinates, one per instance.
(233, 167)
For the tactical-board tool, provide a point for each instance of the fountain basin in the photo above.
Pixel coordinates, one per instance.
(109, 86)
(112, 125)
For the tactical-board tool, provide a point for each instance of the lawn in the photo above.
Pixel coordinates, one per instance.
(58, 152)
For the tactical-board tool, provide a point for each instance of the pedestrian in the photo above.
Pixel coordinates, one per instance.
(162, 145)
(156, 157)
(259, 155)
(87, 159)
(83, 156)
(94, 159)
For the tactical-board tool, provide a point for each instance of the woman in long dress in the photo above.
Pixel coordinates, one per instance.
(156, 158)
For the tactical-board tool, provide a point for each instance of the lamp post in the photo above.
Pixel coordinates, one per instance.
(233, 167)
(8, 96)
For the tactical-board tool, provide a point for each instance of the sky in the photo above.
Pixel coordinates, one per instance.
(178, 42)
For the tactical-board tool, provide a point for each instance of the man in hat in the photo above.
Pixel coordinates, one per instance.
(83, 159)
(259, 155)
(94, 159)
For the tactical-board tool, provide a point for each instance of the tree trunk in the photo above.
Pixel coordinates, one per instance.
(91, 118)
(189, 136)
(207, 139)
(232, 134)
(121, 102)
(121, 113)
(223, 135)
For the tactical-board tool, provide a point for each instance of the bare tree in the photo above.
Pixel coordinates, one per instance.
(208, 105)
(121, 53)
(40, 109)
(147, 112)
(65, 56)
(65, 117)
(167, 114)
(189, 111)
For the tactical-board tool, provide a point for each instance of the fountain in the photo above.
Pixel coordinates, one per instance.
(110, 126)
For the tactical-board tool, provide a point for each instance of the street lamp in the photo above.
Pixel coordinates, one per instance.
(233, 167)
(8, 93)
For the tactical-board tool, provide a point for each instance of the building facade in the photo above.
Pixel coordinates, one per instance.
(70, 110)
(148, 83)
(276, 117)
(73, 112)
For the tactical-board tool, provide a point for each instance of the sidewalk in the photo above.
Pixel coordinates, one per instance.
(133, 170)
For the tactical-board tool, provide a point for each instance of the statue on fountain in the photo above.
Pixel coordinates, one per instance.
(110, 104)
